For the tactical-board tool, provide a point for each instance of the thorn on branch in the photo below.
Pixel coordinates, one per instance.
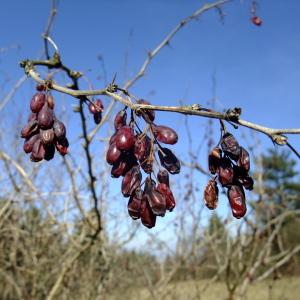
(196, 107)
(233, 114)
(112, 88)
(75, 74)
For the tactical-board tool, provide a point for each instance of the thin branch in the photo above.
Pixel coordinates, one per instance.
(232, 115)
(12, 92)
(169, 37)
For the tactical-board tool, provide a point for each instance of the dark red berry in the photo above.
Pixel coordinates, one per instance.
(38, 151)
(131, 181)
(167, 193)
(230, 146)
(113, 154)
(125, 138)
(29, 129)
(96, 107)
(97, 117)
(142, 147)
(156, 200)
(40, 87)
(165, 134)
(256, 21)
(113, 138)
(236, 197)
(49, 152)
(37, 102)
(244, 160)
(214, 159)
(169, 161)
(59, 129)
(62, 146)
(134, 204)
(163, 177)
(123, 165)
(118, 168)
(28, 144)
(47, 136)
(120, 119)
(247, 182)
(45, 117)
(225, 172)
(147, 216)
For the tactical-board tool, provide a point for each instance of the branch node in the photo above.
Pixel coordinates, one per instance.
(112, 88)
(279, 139)
(27, 65)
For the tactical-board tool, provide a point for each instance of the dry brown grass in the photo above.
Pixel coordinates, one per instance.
(282, 289)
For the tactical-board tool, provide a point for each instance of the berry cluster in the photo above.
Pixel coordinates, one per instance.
(130, 151)
(96, 110)
(231, 163)
(44, 132)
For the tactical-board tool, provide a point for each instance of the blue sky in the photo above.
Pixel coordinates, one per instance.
(256, 68)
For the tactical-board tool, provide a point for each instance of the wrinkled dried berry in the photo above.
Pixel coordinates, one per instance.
(244, 160)
(225, 172)
(214, 160)
(230, 146)
(37, 102)
(59, 129)
(28, 144)
(169, 161)
(211, 194)
(247, 182)
(45, 117)
(134, 204)
(29, 129)
(168, 195)
(47, 136)
(147, 216)
(38, 151)
(131, 181)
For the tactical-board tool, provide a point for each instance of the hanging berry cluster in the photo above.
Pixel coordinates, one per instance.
(44, 132)
(96, 110)
(231, 163)
(131, 150)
